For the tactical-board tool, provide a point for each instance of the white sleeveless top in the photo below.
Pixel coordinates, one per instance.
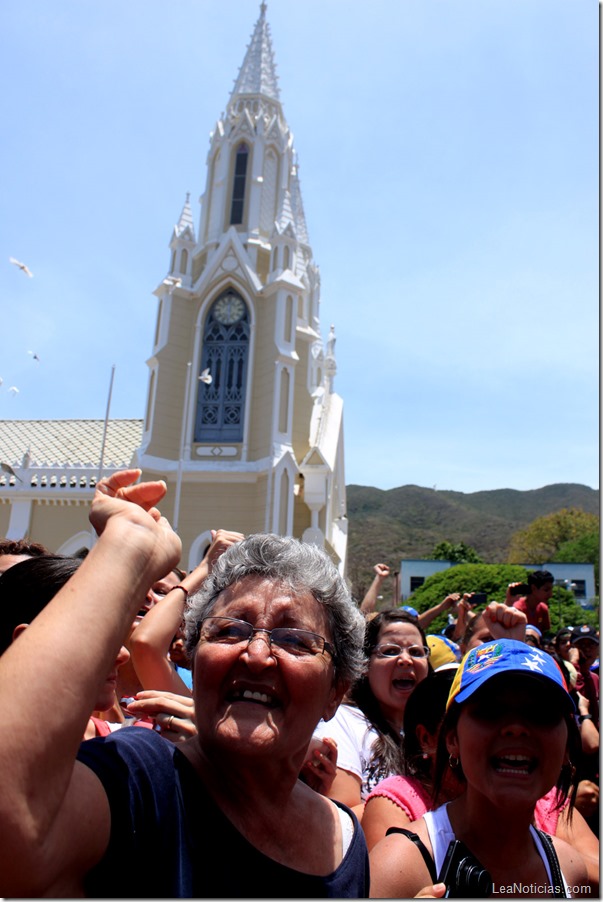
(441, 835)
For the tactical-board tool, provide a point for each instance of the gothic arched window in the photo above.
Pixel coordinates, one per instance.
(221, 404)
(238, 184)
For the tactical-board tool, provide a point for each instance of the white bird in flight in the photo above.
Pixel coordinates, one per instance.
(172, 282)
(6, 468)
(205, 377)
(21, 266)
(14, 389)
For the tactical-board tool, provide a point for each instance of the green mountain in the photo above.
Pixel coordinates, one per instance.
(407, 522)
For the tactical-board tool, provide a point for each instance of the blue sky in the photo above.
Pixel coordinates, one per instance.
(448, 157)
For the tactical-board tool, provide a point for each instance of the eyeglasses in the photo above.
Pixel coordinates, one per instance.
(394, 651)
(293, 642)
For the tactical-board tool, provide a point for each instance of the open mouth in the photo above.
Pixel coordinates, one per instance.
(514, 765)
(404, 684)
(255, 696)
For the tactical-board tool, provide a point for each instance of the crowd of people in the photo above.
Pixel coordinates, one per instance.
(295, 743)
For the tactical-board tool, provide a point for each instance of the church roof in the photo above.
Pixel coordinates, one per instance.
(68, 443)
(257, 74)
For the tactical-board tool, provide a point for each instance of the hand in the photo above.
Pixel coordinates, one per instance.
(382, 571)
(453, 600)
(505, 622)
(130, 506)
(509, 596)
(436, 891)
(587, 798)
(573, 655)
(174, 714)
(583, 704)
(320, 765)
(123, 485)
(221, 539)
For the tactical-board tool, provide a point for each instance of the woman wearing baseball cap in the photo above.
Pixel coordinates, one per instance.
(510, 733)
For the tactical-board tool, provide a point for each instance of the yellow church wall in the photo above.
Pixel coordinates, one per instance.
(169, 400)
(4, 519)
(302, 412)
(301, 517)
(237, 506)
(260, 404)
(55, 524)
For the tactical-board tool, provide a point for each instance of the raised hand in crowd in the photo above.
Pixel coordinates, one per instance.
(369, 602)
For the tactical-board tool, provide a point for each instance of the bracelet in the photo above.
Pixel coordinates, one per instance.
(180, 586)
(583, 717)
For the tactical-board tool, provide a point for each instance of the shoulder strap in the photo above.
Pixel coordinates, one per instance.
(421, 847)
(549, 849)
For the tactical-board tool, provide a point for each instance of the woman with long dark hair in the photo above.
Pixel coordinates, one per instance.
(368, 727)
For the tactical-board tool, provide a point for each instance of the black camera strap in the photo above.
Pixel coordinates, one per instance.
(549, 849)
(421, 847)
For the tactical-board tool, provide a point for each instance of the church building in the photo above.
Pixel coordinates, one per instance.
(241, 419)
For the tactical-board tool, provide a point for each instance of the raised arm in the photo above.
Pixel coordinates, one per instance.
(151, 640)
(54, 818)
(505, 622)
(447, 604)
(369, 601)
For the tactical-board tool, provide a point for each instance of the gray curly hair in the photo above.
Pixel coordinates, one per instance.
(299, 566)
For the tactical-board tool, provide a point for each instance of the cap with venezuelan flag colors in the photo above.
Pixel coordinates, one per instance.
(490, 659)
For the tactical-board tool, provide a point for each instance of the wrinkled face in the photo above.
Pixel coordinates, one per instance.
(252, 699)
(392, 679)
(511, 739)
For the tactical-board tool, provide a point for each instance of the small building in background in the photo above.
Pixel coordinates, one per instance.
(578, 578)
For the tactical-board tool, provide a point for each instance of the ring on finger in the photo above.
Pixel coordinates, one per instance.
(168, 724)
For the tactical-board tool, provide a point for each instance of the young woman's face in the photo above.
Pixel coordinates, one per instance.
(393, 678)
(511, 739)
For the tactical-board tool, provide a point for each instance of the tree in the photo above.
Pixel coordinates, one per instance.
(459, 553)
(493, 579)
(583, 550)
(540, 541)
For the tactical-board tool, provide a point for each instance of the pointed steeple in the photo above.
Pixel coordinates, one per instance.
(298, 207)
(182, 245)
(186, 221)
(285, 214)
(257, 74)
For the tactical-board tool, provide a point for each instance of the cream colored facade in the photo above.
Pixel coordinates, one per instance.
(256, 444)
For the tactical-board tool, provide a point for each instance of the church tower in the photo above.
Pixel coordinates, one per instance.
(242, 419)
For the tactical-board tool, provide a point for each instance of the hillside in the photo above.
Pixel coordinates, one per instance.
(407, 522)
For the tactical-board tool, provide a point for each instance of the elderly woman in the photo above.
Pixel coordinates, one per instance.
(275, 642)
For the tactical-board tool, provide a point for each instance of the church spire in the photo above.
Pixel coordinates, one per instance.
(257, 74)
(186, 221)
